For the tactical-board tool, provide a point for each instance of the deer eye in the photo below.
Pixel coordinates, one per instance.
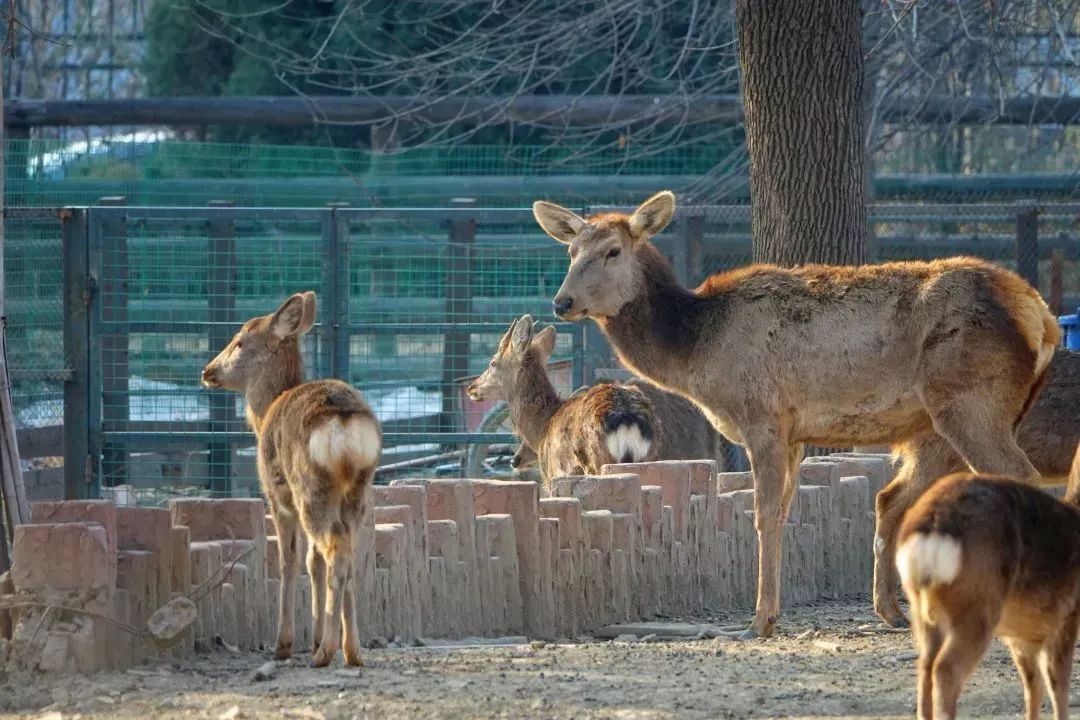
(492, 363)
(614, 253)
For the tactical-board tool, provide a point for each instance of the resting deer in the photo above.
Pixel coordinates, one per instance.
(684, 433)
(1047, 435)
(319, 444)
(981, 556)
(604, 424)
(833, 356)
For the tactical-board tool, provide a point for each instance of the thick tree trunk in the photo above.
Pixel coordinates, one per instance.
(802, 75)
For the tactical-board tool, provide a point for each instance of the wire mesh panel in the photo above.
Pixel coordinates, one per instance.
(33, 306)
(412, 304)
(175, 285)
(430, 295)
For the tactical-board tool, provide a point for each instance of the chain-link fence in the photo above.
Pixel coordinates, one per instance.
(113, 312)
(34, 292)
(411, 306)
(1040, 240)
(151, 170)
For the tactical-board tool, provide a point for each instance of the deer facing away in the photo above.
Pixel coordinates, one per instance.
(318, 445)
(604, 424)
(833, 356)
(1047, 435)
(683, 431)
(981, 556)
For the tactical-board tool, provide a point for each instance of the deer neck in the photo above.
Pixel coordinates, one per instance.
(656, 334)
(533, 401)
(277, 379)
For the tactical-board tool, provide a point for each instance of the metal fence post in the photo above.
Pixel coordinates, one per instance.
(222, 287)
(1027, 243)
(115, 394)
(335, 272)
(78, 291)
(458, 293)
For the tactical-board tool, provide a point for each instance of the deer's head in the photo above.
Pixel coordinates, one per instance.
(520, 344)
(605, 270)
(265, 347)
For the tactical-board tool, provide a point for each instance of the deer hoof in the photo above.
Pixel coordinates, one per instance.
(321, 658)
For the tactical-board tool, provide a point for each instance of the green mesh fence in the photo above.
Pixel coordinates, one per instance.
(34, 291)
(149, 170)
(906, 231)
(411, 301)
(412, 305)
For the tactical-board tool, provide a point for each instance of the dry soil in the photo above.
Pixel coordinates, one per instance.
(840, 673)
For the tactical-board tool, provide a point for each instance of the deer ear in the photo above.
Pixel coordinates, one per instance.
(557, 221)
(653, 215)
(544, 341)
(522, 333)
(288, 319)
(309, 312)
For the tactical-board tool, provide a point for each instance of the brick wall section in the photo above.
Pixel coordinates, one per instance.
(441, 558)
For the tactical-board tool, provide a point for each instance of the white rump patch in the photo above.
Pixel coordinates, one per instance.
(928, 560)
(627, 440)
(356, 439)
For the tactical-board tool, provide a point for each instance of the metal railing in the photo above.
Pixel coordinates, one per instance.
(412, 302)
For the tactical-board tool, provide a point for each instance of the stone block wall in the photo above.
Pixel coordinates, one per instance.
(437, 558)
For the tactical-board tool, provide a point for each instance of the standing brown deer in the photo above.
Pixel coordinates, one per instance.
(981, 556)
(604, 424)
(319, 444)
(833, 356)
(1047, 435)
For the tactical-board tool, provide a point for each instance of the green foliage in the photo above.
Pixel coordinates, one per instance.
(181, 57)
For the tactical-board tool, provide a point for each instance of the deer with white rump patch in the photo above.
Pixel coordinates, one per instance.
(607, 423)
(1047, 435)
(319, 444)
(832, 356)
(981, 556)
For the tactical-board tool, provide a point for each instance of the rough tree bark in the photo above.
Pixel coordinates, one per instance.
(802, 75)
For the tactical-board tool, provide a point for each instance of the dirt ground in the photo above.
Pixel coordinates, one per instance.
(785, 677)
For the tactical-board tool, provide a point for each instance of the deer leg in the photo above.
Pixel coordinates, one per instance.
(982, 432)
(286, 524)
(1056, 661)
(1026, 659)
(967, 640)
(316, 565)
(925, 460)
(338, 551)
(351, 640)
(928, 640)
(770, 460)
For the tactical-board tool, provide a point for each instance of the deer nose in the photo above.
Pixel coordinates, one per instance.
(209, 376)
(561, 306)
